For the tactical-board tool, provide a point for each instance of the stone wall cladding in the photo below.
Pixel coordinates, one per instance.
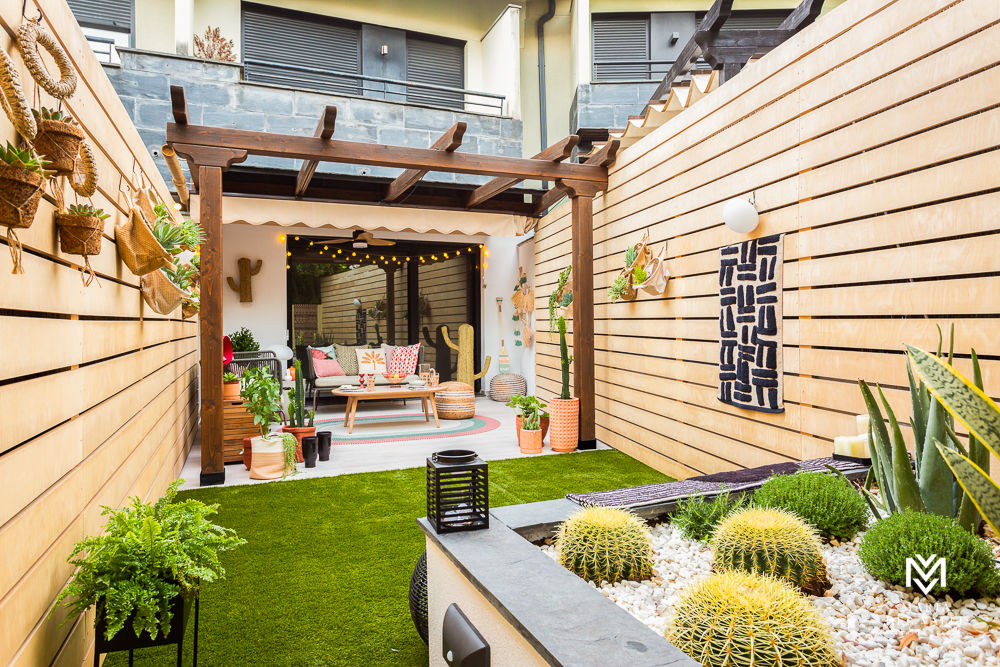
(217, 95)
(608, 105)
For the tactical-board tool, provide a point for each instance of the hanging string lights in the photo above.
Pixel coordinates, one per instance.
(322, 248)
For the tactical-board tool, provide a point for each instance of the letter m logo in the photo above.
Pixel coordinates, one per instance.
(920, 573)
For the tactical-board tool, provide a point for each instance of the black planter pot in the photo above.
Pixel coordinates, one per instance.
(126, 639)
(309, 450)
(323, 438)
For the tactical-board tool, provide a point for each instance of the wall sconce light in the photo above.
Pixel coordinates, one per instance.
(674, 38)
(383, 50)
(740, 215)
(357, 303)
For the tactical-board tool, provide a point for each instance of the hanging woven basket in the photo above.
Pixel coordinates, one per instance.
(138, 248)
(59, 143)
(81, 235)
(189, 310)
(642, 257)
(20, 192)
(159, 293)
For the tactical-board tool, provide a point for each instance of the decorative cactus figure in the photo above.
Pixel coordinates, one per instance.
(771, 541)
(737, 618)
(465, 348)
(246, 273)
(605, 544)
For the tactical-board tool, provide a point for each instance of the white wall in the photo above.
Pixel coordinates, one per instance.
(500, 277)
(266, 316)
(501, 47)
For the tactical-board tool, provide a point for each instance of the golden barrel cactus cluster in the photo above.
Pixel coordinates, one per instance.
(605, 544)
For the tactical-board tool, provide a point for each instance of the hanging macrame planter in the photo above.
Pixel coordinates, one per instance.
(85, 165)
(189, 309)
(640, 256)
(138, 248)
(159, 293)
(657, 274)
(20, 192)
(81, 234)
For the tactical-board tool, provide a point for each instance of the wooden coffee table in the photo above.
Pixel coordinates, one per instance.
(425, 394)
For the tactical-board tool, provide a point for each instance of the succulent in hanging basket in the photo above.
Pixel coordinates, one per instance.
(58, 139)
(22, 184)
(176, 238)
(81, 230)
(182, 276)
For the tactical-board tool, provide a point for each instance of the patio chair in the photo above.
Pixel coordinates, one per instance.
(256, 359)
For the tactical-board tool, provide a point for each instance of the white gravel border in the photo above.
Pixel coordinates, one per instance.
(870, 619)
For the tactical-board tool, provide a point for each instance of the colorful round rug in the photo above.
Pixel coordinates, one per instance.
(401, 428)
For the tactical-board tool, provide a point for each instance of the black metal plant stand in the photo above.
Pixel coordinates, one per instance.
(126, 639)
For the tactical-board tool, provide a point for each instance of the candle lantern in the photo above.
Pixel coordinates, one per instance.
(457, 491)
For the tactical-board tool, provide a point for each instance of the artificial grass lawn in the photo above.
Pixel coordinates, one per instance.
(323, 578)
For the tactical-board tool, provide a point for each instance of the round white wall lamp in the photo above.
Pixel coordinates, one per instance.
(740, 216)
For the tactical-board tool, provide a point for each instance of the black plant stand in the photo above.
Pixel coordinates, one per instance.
(126, 639)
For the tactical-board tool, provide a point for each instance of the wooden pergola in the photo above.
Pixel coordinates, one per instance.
(210, 151)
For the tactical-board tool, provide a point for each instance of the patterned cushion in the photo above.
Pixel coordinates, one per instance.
(347, 359)
(404, 360)
(370, 361)
(319, 354)
(327, 367)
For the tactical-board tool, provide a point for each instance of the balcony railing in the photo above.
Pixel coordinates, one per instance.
(607, 71)
(331, 81)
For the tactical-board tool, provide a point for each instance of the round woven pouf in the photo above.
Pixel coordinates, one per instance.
(455, 400)
(418, 596)
(505, 385)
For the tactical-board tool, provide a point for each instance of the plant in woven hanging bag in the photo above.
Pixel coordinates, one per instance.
(630, 256)
(24, 158)
(639, 275)
(88, 211)
(618, 287)
(53, 114)
(182, 276)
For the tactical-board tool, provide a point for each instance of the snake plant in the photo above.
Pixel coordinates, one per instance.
(928, 484)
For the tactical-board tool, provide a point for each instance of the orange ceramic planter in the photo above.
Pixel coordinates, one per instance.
(564, 424)
(544, 422)
(231, 391)
(530, 442)
(299, 432)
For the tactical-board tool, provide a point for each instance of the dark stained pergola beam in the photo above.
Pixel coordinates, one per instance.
(179, 109)
(447, 142)
(603, 157)
(557, 152)
(354, 152)
(324, 130)
(803, 15)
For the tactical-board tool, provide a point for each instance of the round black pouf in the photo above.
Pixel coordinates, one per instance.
(418, 597)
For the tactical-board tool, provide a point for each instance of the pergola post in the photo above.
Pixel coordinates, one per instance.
(390, 304)
(581, 196)
(210, 164)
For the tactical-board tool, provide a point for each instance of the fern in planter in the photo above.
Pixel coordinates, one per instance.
(176, 238)
(147, 555)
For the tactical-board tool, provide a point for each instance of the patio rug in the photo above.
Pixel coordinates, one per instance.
(402, 427)
(709, 485)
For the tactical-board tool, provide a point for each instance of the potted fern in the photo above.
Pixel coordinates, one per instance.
(58, 139)
(272, 454)
(300, 420)
(564, 412)
(145, 569)
(22, 184)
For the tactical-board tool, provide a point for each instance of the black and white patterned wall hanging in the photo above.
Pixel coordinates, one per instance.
(750, 368)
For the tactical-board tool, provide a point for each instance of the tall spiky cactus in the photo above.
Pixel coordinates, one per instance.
(774, 542)
(737, 618)
(605, 544)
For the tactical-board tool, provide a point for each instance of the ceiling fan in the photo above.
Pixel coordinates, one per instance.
(361, 240)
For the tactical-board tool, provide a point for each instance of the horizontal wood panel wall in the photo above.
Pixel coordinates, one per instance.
(870, 140)
(445, 286)
(99, 394)
(338, 292)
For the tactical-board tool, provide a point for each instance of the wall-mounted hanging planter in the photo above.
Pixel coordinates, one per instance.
(623, 288)
(138, 248)
(159, 293)
(81, 230)
(656, 274)
(58, 140)
(22, 183)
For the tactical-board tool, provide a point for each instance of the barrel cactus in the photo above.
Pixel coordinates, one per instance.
(605, 544)
(771, 541)
(739, 618)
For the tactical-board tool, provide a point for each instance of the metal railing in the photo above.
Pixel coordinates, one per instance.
(648, 70)
(263, 71)
(103, 47)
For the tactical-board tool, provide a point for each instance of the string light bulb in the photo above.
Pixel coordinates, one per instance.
(287, 266)
(177, 206)
(296, 238)
(281, 238)
(288, 254)
(326, 247)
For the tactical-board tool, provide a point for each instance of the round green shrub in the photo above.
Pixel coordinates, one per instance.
(697, 518)
(739, 618)
(970, 568)
(605, 544)
(830, 504)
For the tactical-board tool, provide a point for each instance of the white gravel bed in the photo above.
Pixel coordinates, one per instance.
(870, 619)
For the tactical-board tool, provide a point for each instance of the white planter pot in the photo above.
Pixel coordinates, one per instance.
(267, 445)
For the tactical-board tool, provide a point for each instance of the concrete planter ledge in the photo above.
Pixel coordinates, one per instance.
(529, 608)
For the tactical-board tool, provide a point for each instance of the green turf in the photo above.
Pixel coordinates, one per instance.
(324, 575)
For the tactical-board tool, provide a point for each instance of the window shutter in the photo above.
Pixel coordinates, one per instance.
(304, 45)
(620, 38)
(438, 63)
(113, 14)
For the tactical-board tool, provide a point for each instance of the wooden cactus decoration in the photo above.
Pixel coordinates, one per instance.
(466, 344)
(246, 293)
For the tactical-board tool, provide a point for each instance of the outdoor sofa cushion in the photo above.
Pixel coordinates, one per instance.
(333, 382)
(347, 357)
(403, 360)
(327, 368)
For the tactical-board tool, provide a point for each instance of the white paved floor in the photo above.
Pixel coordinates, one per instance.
(493, 445)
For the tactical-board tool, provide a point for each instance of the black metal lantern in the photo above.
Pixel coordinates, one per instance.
(457, 491)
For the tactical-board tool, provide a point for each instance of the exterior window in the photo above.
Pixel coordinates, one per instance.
(107, 24)
(304, 50)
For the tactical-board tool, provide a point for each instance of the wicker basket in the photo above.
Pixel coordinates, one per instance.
(59, 142)
(505, 385)
(138, 248)
(159, 293)
(80, 234)
(455, 400)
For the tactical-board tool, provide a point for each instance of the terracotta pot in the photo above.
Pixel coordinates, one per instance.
(564, 424)
(517, 427)
(299, 432)
(530, 442)
(247, 452)
(545, 427)
(231, 391)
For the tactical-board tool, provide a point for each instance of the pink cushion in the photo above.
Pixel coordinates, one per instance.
(326, 367)
(319, 354)
(404, 360)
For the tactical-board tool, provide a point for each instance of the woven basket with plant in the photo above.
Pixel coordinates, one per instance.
(81, 229)
(22, 183)
(58, 139)
(632, 274)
